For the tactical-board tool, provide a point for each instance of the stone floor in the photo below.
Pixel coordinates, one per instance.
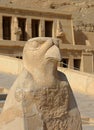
(88, 127)
(85, 104)
(6, 80)
(86, 107)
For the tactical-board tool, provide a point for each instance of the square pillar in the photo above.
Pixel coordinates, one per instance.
(28, 28)
(1, 29)
(87, 62)
(71, 64)
(42, 28)
(67, 27)
(72, 32)
(54, 28)
(14, 29)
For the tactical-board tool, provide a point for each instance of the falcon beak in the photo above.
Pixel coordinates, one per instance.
(53, 53)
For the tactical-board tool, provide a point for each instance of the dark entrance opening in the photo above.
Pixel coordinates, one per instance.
(35, 28)
(48, 28)
(64, 62)
(77, 63)
(7, 28)
(3, 97)
(22, 25)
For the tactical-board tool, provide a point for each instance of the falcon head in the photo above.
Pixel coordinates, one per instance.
(39, 52)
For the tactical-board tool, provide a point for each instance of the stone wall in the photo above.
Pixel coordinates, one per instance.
(81, 82)
(10, 65)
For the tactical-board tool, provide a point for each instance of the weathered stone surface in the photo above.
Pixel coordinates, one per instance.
(41, 97)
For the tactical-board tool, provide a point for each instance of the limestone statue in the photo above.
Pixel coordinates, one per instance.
(41, 97)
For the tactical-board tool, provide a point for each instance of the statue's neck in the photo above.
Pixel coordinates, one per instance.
(45, 76)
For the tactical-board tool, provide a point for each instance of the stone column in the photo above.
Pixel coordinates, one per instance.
(1, 29)
(72, 32)
(42, 28)
(28, 28)
(93, 63)
(70, 65)
(87, 62)
(14, 28)
(67, 26)
(54, 28)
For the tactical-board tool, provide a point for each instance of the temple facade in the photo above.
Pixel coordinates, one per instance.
(18, 24)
